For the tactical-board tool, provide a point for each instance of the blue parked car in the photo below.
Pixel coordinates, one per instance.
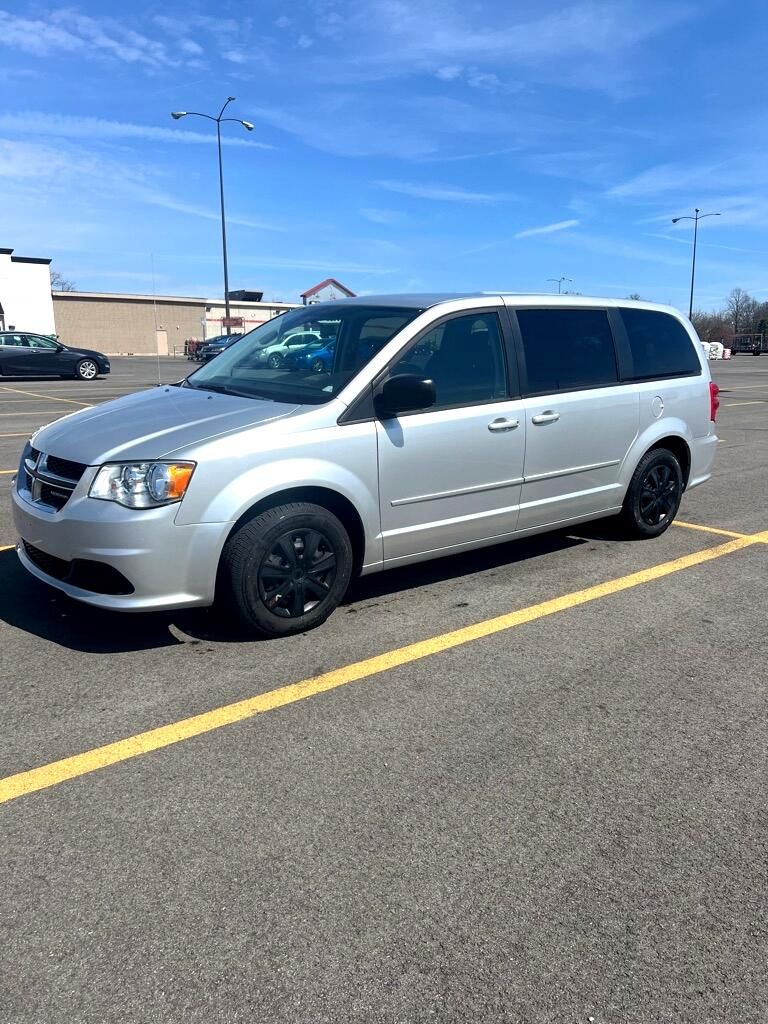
(317, 357)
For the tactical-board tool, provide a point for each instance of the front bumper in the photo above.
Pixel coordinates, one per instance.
(168, 566)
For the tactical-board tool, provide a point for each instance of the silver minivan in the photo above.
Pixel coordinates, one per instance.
(421, 426)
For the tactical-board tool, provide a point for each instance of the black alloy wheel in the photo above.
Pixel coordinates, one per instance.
(658, 494)
(654, 494)
(318, 366)
(275, 361)
(297, 574)
(285, 570)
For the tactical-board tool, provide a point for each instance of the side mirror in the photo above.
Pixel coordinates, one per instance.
(406, 392)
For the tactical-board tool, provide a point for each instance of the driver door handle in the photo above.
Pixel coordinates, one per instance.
(546, 417)
(500, 425)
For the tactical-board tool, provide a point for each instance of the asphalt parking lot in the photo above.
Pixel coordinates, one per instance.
(522, 785)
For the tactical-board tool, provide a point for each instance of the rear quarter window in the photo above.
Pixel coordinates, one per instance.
(659, 345)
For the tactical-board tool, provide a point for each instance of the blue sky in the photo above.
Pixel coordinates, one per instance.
(399, 145)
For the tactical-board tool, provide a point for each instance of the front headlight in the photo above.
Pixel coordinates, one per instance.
(142, 484)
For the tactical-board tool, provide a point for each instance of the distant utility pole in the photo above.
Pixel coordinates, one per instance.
(177, 115)
(559, 282)
(697, 216)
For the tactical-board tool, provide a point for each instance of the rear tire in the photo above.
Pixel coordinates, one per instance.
(285, 571)
(653, 496)
(86, 369)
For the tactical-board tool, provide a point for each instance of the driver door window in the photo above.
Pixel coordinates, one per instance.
(464, 359)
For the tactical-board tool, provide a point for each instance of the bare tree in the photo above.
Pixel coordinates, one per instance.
(635, 296)
(739, 308)
(59, 283)
(712, 326)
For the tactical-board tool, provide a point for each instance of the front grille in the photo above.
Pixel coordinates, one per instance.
(65, 468)
(48, 480)
(98, 577)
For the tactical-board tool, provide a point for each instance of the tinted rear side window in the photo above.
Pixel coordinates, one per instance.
(567, 349)
(659, 344)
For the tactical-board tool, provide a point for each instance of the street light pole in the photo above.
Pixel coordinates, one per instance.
(697, 216)
(176, 115)
(559, 282)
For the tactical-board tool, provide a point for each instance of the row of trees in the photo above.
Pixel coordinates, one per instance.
(741, 314)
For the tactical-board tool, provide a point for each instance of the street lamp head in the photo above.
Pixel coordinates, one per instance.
(230, 98)
(676, 219)
(176, 114)
(247, 124)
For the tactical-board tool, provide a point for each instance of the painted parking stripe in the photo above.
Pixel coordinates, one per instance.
(51, 398)
(57, 772)
(754, 401)
(708, 529)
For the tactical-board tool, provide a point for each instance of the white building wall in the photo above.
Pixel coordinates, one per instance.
(25, 294)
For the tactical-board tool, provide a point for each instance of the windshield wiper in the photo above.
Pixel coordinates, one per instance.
(224, 389)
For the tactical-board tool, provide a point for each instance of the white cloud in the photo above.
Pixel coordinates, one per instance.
(441, 193)
(547, 229)
(283, 21)
(304, 41)
(449, 73)
(89, 128)
(235, 56)
(377, 216)
(54, 171)
(190, 46)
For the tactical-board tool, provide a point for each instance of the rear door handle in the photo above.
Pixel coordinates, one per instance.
(546, 417)
(500, 425)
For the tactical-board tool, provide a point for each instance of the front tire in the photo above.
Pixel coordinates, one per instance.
(275, 361)
(653, 496)
(285, 571)
(86, 369)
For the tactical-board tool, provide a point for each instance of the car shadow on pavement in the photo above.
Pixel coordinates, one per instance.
(454, 567)
(32, 606)
(36, 608)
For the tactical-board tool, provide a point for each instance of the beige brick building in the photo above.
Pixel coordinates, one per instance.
(118, 324)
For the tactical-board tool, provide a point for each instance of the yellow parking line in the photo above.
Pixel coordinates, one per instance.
(50, 398)
(709, 529)
(39, 412)
(24, 434)
(155, 739)
(7, 547)
(3, 472)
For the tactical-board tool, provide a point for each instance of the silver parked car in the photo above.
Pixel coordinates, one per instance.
(443, 423)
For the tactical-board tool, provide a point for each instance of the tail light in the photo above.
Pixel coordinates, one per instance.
(714, 401)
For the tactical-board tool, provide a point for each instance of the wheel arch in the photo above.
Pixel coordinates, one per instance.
(674, 436)
(679, 448)
(326, 497)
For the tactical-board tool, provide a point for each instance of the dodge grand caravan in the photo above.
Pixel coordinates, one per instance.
(443, 423)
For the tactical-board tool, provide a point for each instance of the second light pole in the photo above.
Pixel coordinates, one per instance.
(697, 216)
(177, 115)
(559, 282)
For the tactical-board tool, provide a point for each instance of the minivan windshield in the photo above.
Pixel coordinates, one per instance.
(305, 356)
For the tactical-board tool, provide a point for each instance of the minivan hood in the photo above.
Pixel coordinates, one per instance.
(152, 424)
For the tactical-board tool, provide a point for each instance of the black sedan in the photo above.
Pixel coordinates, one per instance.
(32, 355)
(214, 346)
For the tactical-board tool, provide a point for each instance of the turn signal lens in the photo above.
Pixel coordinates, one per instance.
(169, 481)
